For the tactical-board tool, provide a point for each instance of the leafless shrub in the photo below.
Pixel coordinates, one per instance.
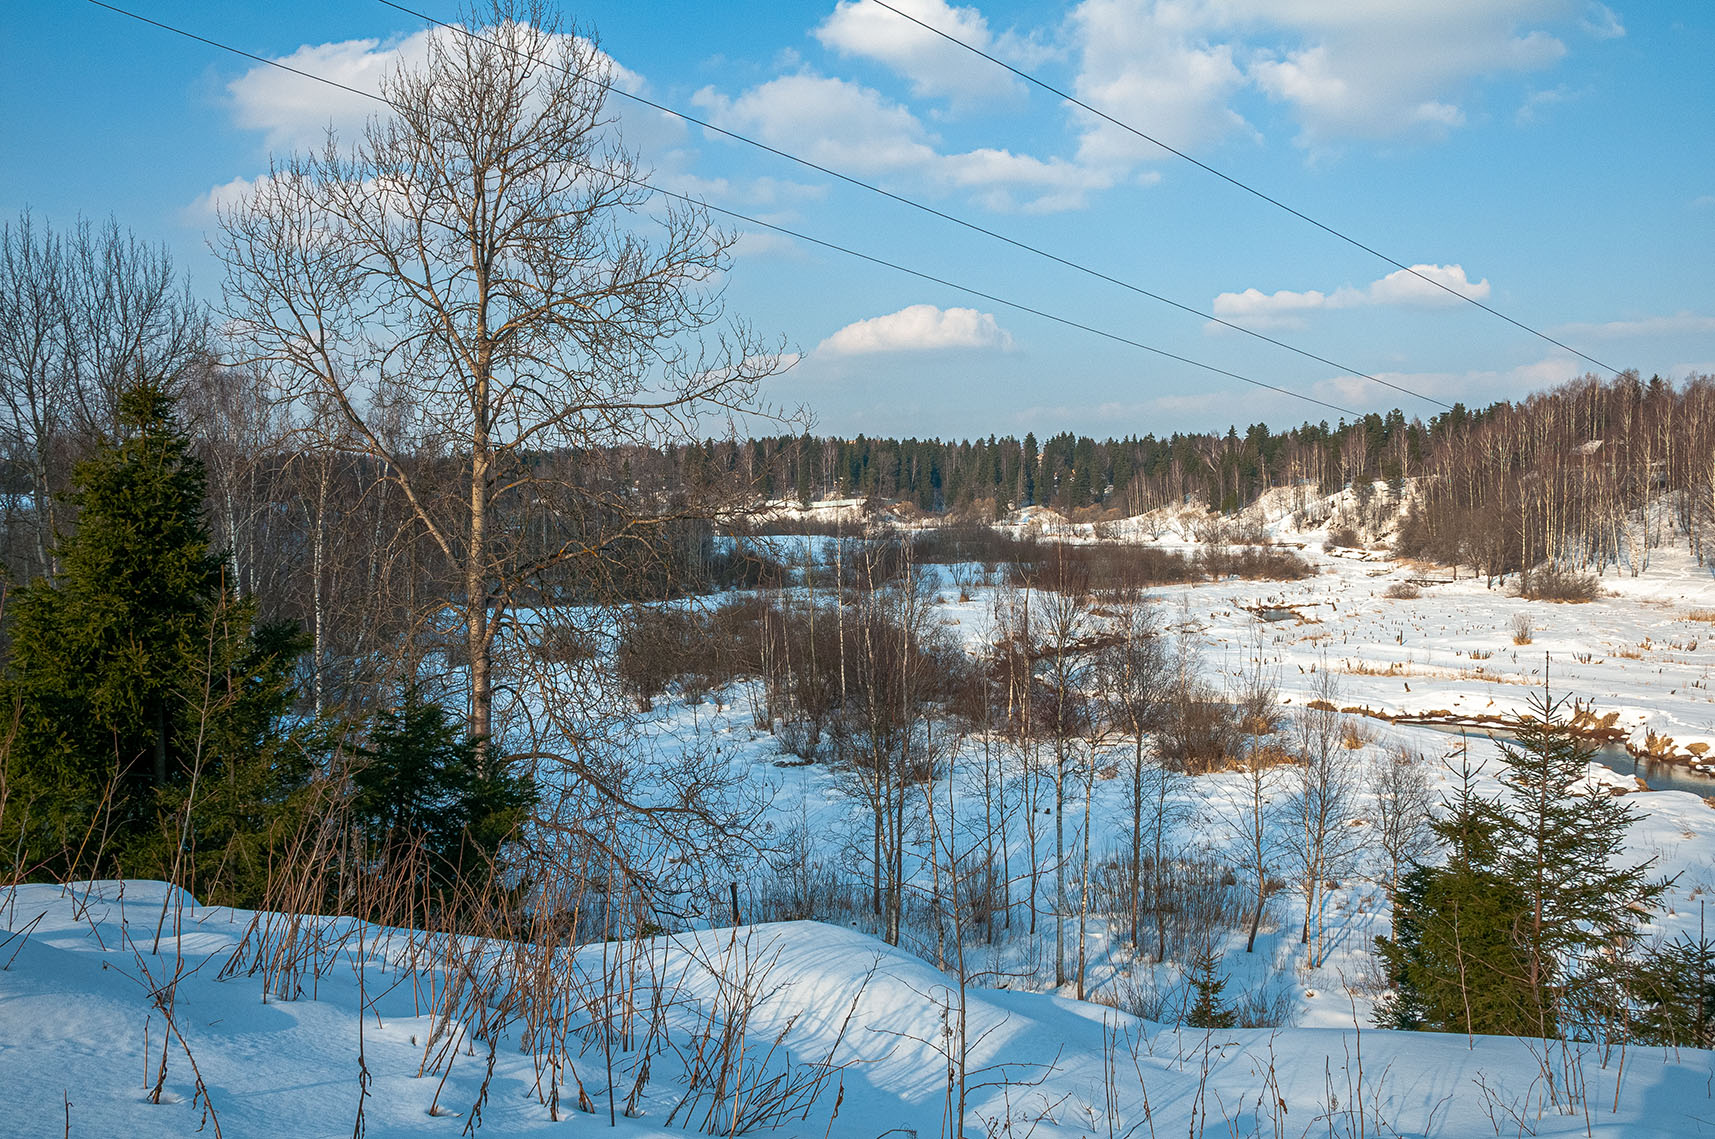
(1200, 730)
(1400, 784)
(1105, 567)
(1403, 591)
(1343, 537)
(1271, 1004)
(1217, 530)
(1557, 583)
(657, 646)
(1197, 899)
(1523, 628)
(734, 1087)
(800, 737)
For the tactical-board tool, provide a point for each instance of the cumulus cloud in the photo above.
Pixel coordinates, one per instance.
(294, 113)
(1344, 71)
(1427, 286)
(208, 205)
(931, 64)
(1423, 286)
(850, 127)
(919, 328)
(830, 121)
(1151, 64)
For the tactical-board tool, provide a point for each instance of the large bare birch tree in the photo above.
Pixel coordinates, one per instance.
(486, 266)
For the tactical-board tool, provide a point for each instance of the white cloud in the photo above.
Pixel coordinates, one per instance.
(1151, 64)
(1400, 288)
(1601, 22)
(1173, 68)
(208, 205)
(932, 65)
(1477, 386)
(1414, 287)
(1374, 72)
(832, 122)
(848, 127)
(1536, 104)
(1679, 324)
(919, 328)
(294, 113)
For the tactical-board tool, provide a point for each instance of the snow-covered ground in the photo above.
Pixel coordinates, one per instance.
(82, 1028)
(1635, 663)
(77, 988)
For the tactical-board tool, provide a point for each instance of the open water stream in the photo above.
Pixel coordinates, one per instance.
(1659, 775)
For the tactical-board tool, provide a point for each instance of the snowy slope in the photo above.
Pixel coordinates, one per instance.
(75, 1007)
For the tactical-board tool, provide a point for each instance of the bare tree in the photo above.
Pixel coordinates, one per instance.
(1015, 653)
(1321, 806)
(1400, 784)
(83, 312)
(1067, 626)
(1136, 679)
(486, 266)
(1254, 806)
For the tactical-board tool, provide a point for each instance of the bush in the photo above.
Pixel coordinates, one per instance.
(801, 738)
(1339, 536)
(1200, 732)
(1524, 629)
(656, 647)
(1403, 591)
(1558, 583)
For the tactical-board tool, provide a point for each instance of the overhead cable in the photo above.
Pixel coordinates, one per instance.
(1242, 185)
(784, 231)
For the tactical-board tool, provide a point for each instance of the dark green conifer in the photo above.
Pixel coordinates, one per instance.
(424, 785)
(1208, 1010)
(1675, 991)
(1561, 848)
(1454, 960)
(148, 699)
(1531, 898)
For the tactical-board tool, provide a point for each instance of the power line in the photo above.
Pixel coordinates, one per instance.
(748, 220)
(1245, 186)
(965, 223)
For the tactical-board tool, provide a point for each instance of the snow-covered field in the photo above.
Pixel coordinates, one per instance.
(82, 1027)
(82, 979)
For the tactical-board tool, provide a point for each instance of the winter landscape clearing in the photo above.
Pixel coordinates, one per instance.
(879, 568)
(836, 1013)
(821, 1029)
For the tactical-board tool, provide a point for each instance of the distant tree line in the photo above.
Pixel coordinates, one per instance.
(1590, 475)
(1074, 474)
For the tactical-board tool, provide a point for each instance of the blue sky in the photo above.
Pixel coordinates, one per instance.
(1550, 157)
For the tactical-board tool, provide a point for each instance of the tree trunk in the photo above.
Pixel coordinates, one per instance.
(476, 595)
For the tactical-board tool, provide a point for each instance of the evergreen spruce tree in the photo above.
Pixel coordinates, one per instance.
(1453, 960)
(1529, 899)
(148, 699)
(424, 784)
(1208, 1010)
(1559, 848)
(1675, 994)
